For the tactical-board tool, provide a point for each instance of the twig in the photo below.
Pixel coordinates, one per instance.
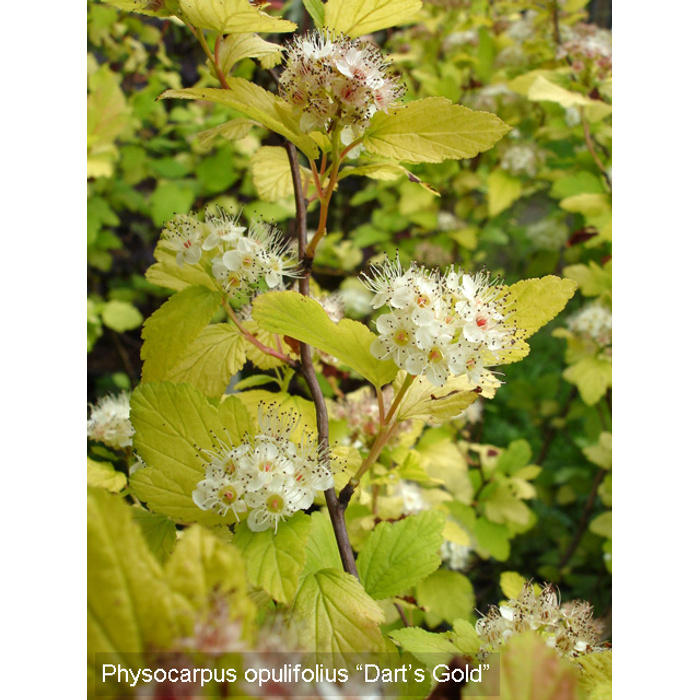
(583, 521)
(336, 509)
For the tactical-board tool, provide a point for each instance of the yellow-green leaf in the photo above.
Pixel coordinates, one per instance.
(512, 584)
(502, 191)
(602, 525)
(171, 422)
(445, 596)
(103, 475)
(432, 130)
(236, 47)
(258, 104)
(165, 272)
(530, 670)
(335, 614)
(128, 602)
(232, 17)
(398, 555)
(290, 313)
(542, 90)
(202, 565)
(321, 547)
(275, 560)
(430, 648)
(426, 402)
(272, 174)
(592, 375)
(232, 130)
(170, 330)
(281, 402)
(357, 17)
(601, 452)
(147, 7)
(211, 360)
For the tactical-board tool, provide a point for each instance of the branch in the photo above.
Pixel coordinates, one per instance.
(335, 508)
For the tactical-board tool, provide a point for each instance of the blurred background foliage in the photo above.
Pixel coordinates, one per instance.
(538, 203)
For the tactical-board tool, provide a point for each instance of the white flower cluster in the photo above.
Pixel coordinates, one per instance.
(570, 630)
(439, 325)
(268, 476)
(589, 51)
(109, 422)
(521, 159)
(456, 556)
(593, 321)
(337, 80)
(548, 234)
(242, 257)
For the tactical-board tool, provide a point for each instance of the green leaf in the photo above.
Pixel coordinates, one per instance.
(465, 637)
(601, 452)
(446, 596)
(146, 7)
(429, 648)
(281, 402)
(321, 547)
(502, 190)
(211, 360)
(530, 670)
(232, 17)
(128, 600)
(398, 555)
(171, 421)
(492, 538)
(432, 130)
(121, 316)
(202, 565)
(170, 330)
(335, 614)
(159, 532)
(602, 525)
(290, 313)
(597, 674)
(592, 376)
(103, 475)
(275, 560)
(358, 17)
(258, 104)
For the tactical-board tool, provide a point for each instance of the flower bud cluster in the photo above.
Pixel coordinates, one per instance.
(333, 79)
(109, 422)
(240, 257)
(439, 325)
(569, 629)
(593, 322)
(267, 476)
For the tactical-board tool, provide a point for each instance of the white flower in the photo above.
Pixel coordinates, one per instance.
(222, 229)
(109, 421)
(183, 234)
(269, 506)
(220, 493)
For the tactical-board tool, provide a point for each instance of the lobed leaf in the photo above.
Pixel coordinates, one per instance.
(258, 104)
(211, 360)
(289, 313)
(275, 560)
(398, 555)
(170, 330)
(232, 17)
(335, 614)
